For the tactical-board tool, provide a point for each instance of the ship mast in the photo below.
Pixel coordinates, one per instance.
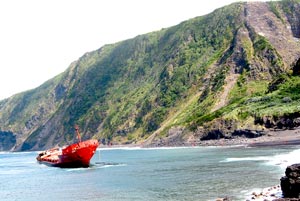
(77, 132)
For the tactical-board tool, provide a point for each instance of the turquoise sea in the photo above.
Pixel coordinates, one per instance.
(127, 174)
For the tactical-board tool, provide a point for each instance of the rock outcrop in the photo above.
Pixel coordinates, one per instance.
(290, 183)
(289, 121)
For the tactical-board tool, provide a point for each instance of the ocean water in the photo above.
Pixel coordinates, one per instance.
(128, 174)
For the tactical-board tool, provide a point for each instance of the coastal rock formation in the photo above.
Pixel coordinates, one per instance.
(289, 121)
(290, 183)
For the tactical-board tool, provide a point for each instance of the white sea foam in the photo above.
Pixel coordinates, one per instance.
(75, 169)
(13, 171)
(263, 194)
(282, 160)
(107, 166)
(21, 153)
(279, 160)
(258, 158)
(4, 152)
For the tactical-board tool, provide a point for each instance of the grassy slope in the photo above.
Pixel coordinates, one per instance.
(132, 89)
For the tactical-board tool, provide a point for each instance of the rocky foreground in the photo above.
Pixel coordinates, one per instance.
(290, 183)
(267, 194)
(288, 190)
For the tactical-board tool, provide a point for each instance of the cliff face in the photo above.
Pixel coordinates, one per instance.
(213, 76)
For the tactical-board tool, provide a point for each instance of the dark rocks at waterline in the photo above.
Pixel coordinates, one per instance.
(290, 183)
(248, 133)
(219, 134)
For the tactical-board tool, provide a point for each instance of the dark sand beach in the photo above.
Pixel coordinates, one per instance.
(282, 137)
(272, 138)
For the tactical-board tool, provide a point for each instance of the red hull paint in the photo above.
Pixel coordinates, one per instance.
(74, 155)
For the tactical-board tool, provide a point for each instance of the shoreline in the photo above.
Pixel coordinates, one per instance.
(272, 138)
(270, 193)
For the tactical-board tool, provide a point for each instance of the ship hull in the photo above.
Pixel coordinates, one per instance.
(73, 156)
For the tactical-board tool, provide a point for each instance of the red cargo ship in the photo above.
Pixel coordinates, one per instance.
(73, 156)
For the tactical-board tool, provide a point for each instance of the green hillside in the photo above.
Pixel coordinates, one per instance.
(236, 69)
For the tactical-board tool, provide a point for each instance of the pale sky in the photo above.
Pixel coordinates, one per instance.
(40, 38)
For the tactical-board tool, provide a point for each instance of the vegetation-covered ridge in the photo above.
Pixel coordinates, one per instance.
(232, 72)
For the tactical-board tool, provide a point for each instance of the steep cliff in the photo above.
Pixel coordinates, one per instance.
(231, 72)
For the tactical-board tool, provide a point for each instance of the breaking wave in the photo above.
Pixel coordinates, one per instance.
(282, 160)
